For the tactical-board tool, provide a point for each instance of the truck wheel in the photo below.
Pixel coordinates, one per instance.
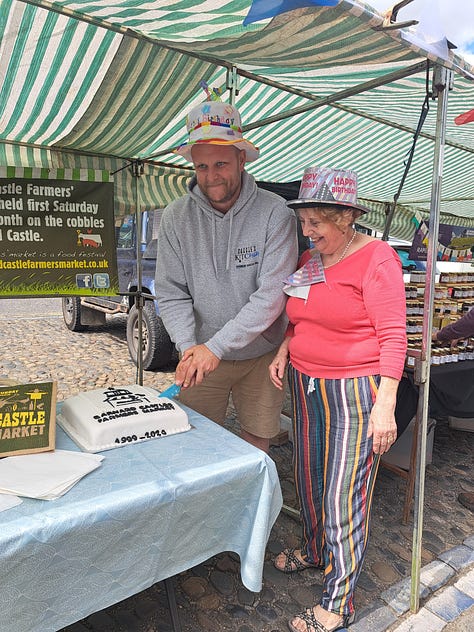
(72, 313)
(156, 344)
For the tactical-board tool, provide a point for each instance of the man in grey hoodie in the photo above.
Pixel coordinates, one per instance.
(224, 250)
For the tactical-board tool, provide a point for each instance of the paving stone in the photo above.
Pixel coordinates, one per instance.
(226, 564)
(469, 541)
(436, 574)
(458, 557)
(464, 623)
(457, 532)
(234, 556)
(210, 602)
(466, 583)
(222, 582)
(398, 595)
(194, 587)
(427, 556)
(377, 621)
(385, 572)
(305, 596)
(101, 622)
(237, 612)
(400, 567)
(366, 582)
(200, 571)
(144, 606)
(267, 595)
(449, 603)
(433, 542)
(267, 612)
(461, 468)
(163, 626)
(246, 597)
(422, 621)
(209, 623)
(274, 576)
(77, 627)
(274, 547)
(128, 621)
(401, 552)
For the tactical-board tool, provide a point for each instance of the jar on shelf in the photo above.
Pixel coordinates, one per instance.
(462, 351)
(435, 356)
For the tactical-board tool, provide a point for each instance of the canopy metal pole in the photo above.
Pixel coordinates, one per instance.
(441, 83)
(137, 170)
(330, 99)
(232, 83)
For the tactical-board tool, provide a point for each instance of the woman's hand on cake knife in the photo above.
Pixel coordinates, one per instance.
(197, 362)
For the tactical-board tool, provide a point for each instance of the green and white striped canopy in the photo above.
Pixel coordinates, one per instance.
(103, 83)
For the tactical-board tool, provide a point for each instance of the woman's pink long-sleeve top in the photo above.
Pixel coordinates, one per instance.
(354, 324)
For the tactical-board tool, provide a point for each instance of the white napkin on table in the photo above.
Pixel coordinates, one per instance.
(7, 501)
(45, 475)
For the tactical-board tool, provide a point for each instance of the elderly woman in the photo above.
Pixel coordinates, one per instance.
(345, 349)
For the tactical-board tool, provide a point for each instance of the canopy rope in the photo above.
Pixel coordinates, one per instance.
(411, 152)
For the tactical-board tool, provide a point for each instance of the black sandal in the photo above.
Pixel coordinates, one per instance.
(293, 564)
(313, 625)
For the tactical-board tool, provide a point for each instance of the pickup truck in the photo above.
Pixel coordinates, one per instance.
(82, 312)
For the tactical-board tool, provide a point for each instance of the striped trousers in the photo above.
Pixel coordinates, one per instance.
(335, 470)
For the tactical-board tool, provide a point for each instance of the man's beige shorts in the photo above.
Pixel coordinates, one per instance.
(257, 401)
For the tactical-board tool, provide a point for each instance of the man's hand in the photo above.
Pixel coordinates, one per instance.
(197, 362)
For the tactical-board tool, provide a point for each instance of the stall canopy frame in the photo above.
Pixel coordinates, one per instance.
(126, 98)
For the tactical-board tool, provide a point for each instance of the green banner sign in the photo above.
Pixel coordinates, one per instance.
(57, 234)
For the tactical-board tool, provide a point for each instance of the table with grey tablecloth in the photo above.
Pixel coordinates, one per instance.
(150, 511)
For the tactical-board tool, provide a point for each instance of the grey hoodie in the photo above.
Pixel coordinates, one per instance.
(220, 277)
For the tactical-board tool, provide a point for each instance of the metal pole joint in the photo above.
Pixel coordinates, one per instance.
(233, 83)
(442, 78)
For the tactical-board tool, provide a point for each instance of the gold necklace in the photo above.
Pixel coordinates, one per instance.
(344, 252)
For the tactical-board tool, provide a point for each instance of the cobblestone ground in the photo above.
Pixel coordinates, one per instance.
(210, 596)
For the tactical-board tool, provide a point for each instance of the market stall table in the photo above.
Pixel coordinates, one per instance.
(152, 510)
(452, 389)
(451, 393)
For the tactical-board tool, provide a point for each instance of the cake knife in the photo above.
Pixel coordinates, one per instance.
(171, 391)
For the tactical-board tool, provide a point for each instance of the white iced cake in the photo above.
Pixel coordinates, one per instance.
(116, 416)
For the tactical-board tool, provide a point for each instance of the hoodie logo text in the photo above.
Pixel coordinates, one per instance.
(246, 256)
